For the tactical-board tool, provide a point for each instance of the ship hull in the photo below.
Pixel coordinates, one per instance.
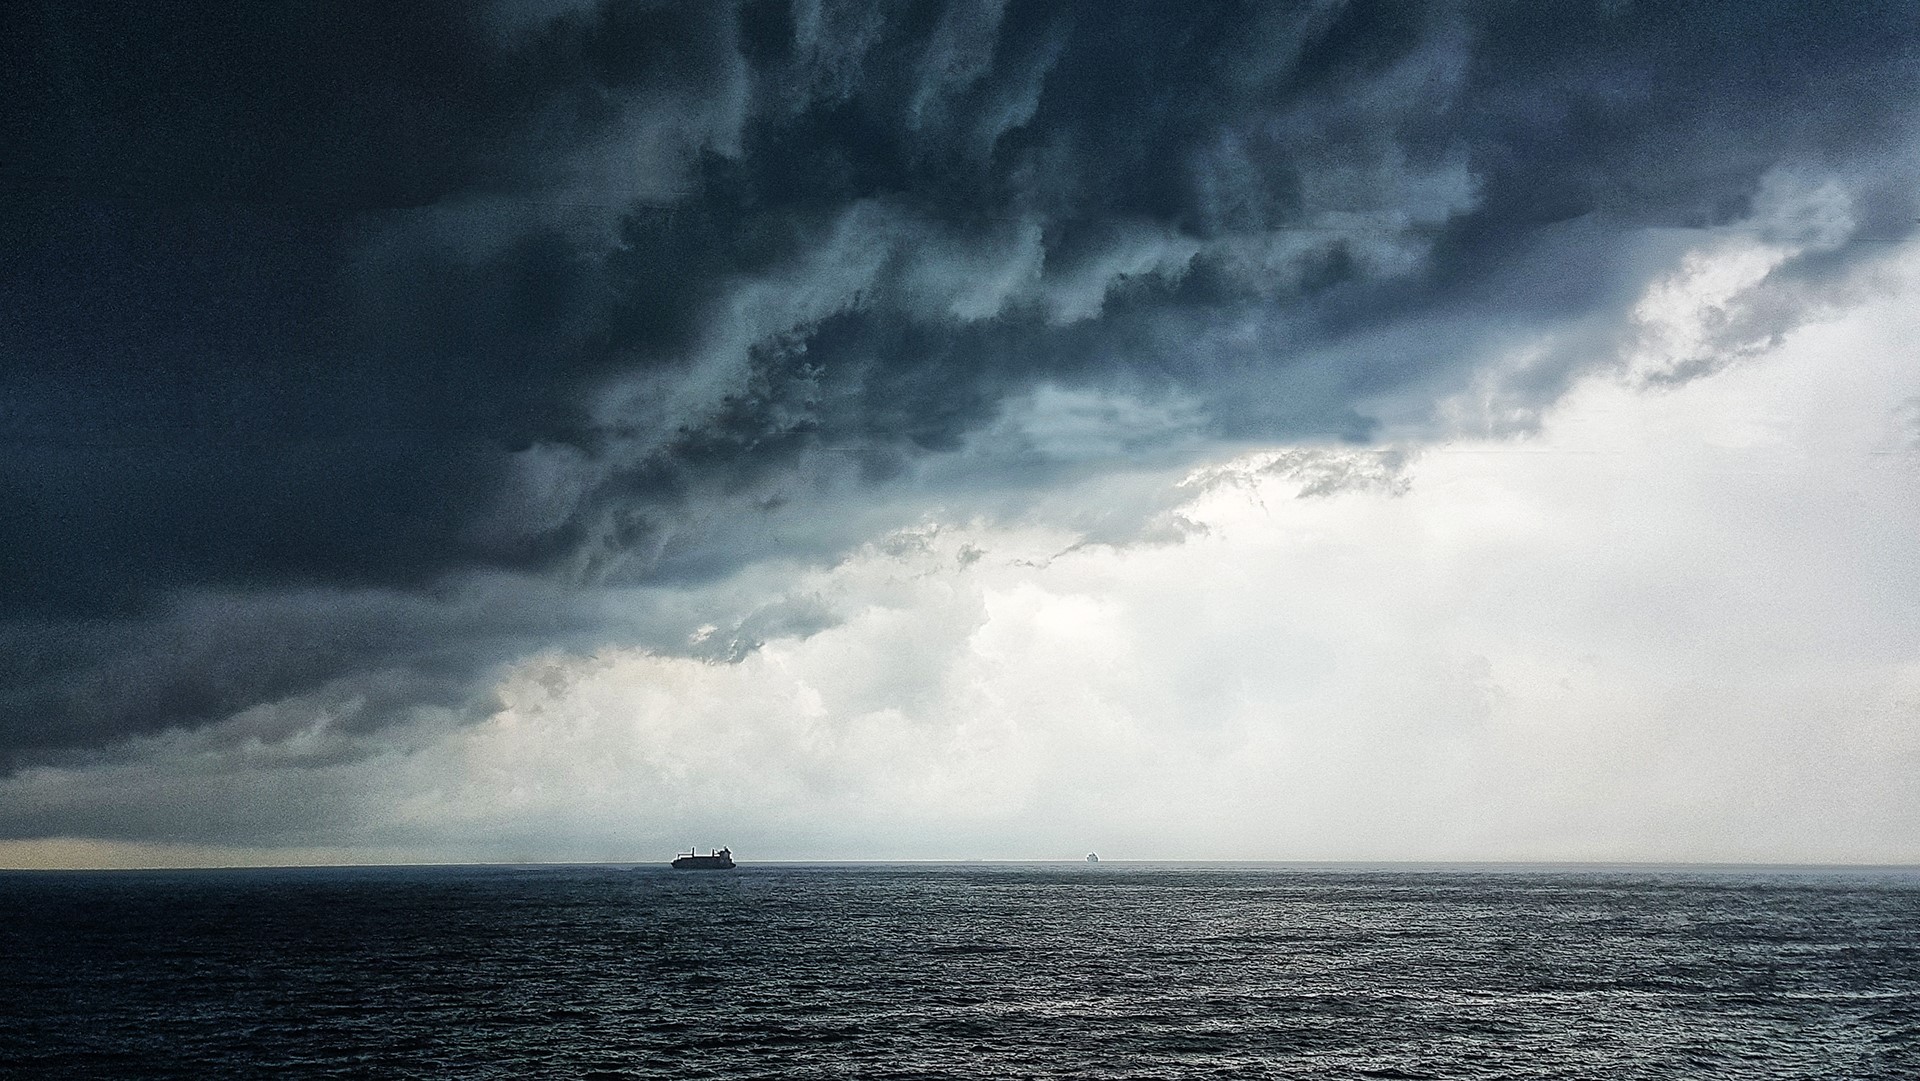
(703, 863)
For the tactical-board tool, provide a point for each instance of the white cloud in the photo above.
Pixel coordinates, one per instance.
(1672, 625)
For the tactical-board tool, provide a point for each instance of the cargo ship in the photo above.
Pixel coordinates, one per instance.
(719, 860)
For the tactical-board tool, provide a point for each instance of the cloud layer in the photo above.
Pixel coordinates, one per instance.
(355, 354)
(1672, 626)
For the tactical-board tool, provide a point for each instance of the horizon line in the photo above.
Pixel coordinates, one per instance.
(637, 864)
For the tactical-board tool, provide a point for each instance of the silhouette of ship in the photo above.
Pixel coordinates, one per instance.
(719, 860)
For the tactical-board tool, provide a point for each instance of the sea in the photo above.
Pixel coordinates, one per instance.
(986, 970)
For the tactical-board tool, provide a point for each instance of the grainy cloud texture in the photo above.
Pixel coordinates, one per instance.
(375, 376)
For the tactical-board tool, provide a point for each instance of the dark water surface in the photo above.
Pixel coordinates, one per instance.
(960, 970)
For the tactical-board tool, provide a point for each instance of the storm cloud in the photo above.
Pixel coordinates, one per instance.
(351, 352)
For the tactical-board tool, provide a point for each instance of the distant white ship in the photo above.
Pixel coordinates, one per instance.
(720, 860)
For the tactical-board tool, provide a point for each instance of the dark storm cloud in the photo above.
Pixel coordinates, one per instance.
(339, 300)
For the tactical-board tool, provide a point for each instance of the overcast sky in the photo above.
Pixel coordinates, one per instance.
(550, 431)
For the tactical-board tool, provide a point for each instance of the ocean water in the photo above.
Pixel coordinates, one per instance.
(970, 970)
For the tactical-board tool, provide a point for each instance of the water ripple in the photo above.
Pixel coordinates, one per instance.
(969, 970)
